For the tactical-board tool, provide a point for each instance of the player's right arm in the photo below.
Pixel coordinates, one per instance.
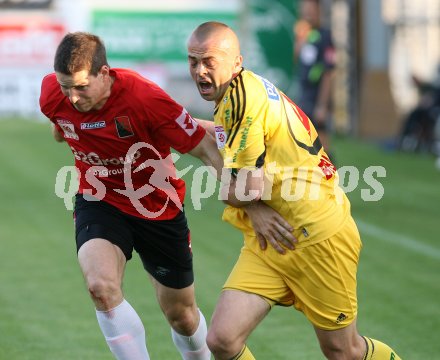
(244, 188)
(50, 98)
(56, 134)
(269, 226)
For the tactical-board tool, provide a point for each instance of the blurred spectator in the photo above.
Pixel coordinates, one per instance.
(314, 53)
(418, 132)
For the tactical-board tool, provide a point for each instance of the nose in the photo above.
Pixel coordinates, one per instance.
(73, 96)
(201, 69)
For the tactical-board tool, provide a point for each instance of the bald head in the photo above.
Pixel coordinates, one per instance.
(214, 58)
(217, 34)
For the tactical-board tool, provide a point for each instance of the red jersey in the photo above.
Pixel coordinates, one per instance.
(122, 151)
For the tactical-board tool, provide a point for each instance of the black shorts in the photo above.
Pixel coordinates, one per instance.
(164, 246)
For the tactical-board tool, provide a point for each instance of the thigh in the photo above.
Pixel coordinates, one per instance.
(325, 283)
(236, 315)
(102, 262)
(174, 301)
(179, 307)
(164, 247)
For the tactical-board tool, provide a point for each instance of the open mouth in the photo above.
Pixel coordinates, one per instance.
(205, 87)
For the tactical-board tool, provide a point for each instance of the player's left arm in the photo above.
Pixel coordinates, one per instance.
(208, 125)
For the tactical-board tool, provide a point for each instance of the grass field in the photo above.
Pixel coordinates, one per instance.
(45, 312)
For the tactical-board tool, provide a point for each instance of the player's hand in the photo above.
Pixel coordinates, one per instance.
(270, 227)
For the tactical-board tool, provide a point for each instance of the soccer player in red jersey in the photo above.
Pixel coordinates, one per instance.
(120, 128)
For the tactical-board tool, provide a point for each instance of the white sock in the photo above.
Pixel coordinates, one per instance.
(193, 347)
(124, 332)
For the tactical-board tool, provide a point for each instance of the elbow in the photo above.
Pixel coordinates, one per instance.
(57, 135)
(59, 139)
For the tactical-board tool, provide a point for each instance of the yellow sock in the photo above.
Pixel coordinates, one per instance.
(377, 350)
(244, 354)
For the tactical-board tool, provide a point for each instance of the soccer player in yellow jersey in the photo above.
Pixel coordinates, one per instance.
(276, 158)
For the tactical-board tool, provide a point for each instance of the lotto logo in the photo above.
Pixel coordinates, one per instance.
(93, 125)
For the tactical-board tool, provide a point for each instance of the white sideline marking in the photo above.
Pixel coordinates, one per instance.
(398, 239)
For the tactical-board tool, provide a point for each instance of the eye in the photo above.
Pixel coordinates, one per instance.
(210, 63)
(81, 87)
(192, 62)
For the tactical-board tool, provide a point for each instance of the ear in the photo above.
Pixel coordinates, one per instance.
(104, 71)
(238, 63)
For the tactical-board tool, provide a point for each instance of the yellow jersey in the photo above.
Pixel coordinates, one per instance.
(256, 125)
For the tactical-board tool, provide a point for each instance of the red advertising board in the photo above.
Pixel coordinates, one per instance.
(27, 49)
(32, 44)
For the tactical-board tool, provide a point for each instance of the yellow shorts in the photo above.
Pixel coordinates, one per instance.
(319, 280)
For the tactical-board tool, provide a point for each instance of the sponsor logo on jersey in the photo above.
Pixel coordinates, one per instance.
(244, 137)
(271, 90)
(220, 136)
(328, 169)
(227, 117)
(93, 158)
(187, 123)
(123, 127)
(93, 125)
(68, 129)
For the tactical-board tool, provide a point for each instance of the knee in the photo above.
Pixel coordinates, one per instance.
(222, 345)
(184, 320)
(105, 293)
